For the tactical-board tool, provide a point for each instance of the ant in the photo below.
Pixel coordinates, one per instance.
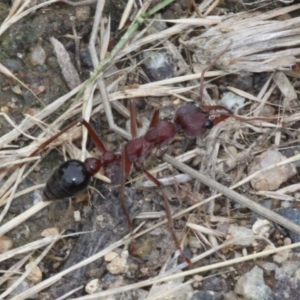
(73, 176)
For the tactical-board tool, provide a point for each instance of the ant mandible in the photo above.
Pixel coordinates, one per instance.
(73, 176)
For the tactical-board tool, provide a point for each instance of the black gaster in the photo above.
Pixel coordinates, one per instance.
(69, 179)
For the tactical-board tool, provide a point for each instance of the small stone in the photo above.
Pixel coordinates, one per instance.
(252, 286)
(281, 256)
(118, 266)
(83, 13)
(112, 137)
(262, 227)
(16, 89)
(241, 236)
(287, 241)
(37, 55)
(110, 256)
(292, 214)
(93, 286)
(6, 243)
(232, 101)
(267, 111)
(271, 179)
(194, 242)
(288, 269)
(5, 109)
(77, 216)
(231, 296)
(157, 65)
(50, 231)
(204, 295)
(30, 111)
(125, 254)
(269, 266)
(36, 274)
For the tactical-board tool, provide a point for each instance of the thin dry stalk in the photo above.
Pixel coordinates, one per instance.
(241, 56)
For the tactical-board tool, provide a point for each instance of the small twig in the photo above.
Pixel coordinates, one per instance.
(85, 2)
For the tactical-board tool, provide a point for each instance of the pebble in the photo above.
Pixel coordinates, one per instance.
(110, 256)
(292, 214)
(37, 55)
(204, 295)
(232, 101)
(82, 13)
(242, 236)
(281, 256)
(262, 227)
(157, 65)
(6, 243)
(270, 180)
(93, 286)
(252, 286)
(118, 265)
(288, 269)
(36, 274)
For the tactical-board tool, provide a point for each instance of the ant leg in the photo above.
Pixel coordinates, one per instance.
(154, 119)
(54, 137)
(215, 107)
(207, 69)
(124, 166)
(168, 213)
(97, 141)
(223, 116)
(219, 119)
(99, 144)
(229, 113)
(133, 120)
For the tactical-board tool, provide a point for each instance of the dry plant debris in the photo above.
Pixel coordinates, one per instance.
(233, 155)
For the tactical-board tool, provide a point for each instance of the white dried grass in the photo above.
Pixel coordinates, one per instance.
(240, 56)
(256, 41)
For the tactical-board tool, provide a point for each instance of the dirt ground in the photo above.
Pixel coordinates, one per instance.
(34, 79)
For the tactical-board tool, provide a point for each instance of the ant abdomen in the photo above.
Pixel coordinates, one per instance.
(68, 180)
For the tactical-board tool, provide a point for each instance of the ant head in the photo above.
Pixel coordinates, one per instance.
(192, 120)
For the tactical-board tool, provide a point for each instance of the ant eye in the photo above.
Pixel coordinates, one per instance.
(208, 124)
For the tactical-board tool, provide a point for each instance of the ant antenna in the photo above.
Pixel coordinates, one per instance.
(207, 69)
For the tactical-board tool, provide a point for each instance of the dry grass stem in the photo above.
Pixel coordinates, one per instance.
(256, 42)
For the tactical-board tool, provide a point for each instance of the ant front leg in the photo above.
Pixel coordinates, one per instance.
(223, 116)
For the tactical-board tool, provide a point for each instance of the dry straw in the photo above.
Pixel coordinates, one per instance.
(258, 43)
